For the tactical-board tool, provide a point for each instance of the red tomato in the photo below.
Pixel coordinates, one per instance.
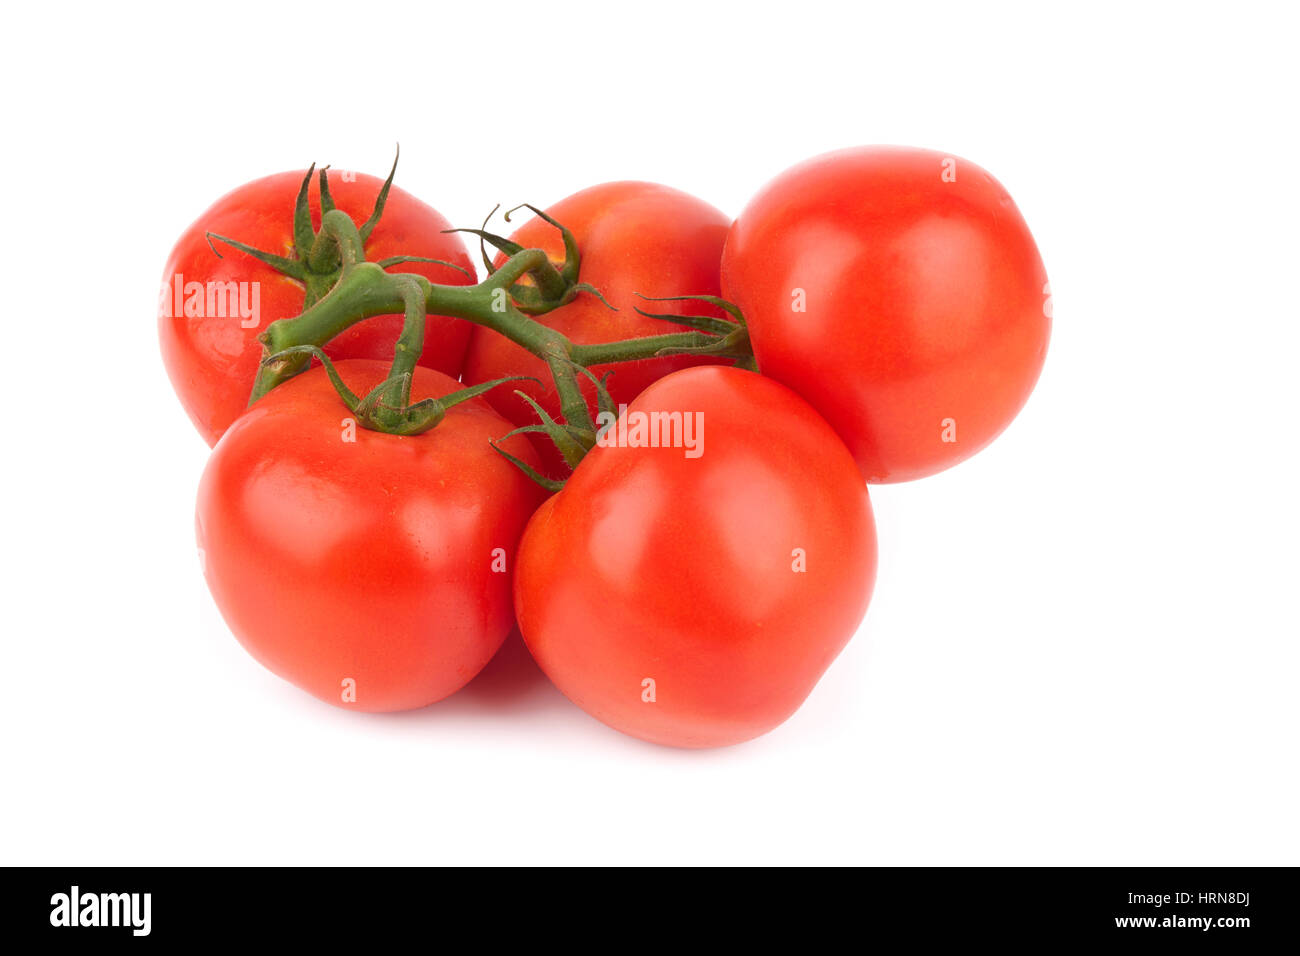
(347, 560)
(209, 329)
(926, 322)
(633, 238)
(695, 601)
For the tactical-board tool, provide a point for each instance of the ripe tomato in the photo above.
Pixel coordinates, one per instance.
(212, 309)
(350, 561)
(900, 292)
(633, 238)
(695, 601)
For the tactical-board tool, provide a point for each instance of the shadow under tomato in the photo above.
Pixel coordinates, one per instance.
(511, 681)
(510, 676)
(512, 684)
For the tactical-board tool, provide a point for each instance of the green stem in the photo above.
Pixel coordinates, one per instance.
(632, 350)
(572, 405)
(410, 344)
(364, 290)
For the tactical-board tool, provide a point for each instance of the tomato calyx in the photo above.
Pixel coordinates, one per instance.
(572, 441)
(551, 286)
(318, 255)
(716, 338)
(387, 407)
(731, 336)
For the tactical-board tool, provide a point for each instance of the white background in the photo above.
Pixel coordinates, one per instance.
(1082, 648)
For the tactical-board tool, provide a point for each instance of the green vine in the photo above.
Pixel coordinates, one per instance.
(344, 288)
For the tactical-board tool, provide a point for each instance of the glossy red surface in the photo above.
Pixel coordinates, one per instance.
(385, 560)
(925, 322)
(652, 565)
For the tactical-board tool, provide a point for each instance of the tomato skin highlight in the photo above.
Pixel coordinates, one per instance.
(367, 560)
(650, 565)
(634, 237)
(925, 326)
(212, 359)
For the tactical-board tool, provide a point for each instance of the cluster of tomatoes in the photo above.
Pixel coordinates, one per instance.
(714, 550)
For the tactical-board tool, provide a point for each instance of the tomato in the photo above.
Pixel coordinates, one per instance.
(695, 599)
(899, 291)
(212, 309)
(634, 238)
(353, 562)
